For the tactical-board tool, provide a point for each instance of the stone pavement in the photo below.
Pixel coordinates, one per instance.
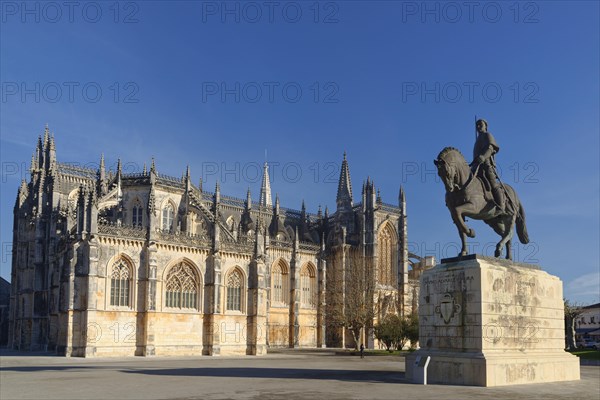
(287, 375)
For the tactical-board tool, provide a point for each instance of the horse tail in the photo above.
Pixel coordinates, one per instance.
(521, 227)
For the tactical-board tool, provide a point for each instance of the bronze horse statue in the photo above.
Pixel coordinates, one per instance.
(466, 196)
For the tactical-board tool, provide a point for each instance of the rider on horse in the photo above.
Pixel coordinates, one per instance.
(483, 158)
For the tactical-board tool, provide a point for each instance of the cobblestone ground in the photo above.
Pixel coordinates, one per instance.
(276, 376)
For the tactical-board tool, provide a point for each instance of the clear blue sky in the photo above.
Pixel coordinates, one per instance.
(390, 83)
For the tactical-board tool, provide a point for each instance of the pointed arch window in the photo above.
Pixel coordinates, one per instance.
(279, 284)
(120, 284)
(137, 213)
(308, 287)
(387, 256)
(182, 287)
(168, 215)
(235, 286)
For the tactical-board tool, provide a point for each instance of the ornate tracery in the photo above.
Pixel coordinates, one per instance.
(308, 287)
(182, 287)
(120, 283)
(387, 249)
(235, 285)
(279, 284)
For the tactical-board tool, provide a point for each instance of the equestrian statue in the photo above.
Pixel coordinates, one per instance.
(475, 191)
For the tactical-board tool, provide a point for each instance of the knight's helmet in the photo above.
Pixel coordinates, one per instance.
(483, 121)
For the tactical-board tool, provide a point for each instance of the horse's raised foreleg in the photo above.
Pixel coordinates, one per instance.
(462, 228)
(461, 211)
(463, 239)
(509, 224)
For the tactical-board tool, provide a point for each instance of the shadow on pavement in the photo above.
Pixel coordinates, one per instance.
(47, 368)
(280, 373)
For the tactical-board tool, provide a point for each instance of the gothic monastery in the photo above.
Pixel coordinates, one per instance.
(116, 264)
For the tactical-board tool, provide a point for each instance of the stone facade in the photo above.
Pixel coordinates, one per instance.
(109, 263)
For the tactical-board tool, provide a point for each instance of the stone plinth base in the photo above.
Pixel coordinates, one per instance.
(496, 370)
(491, 322)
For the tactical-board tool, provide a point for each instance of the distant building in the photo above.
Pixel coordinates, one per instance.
(4, 307)
(114, 263)
(587, 325)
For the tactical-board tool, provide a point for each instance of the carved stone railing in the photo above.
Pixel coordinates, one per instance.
(136, 175)
(187, 239)
(128, 231)
(309, 246)
(169, 181)
(285, 244)
(238, 247)
(76, 170)
(390, 208)
(243, 238)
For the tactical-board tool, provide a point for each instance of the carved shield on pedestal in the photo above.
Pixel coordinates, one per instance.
(447, 308)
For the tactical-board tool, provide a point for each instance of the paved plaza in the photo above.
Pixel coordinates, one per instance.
(288, 375)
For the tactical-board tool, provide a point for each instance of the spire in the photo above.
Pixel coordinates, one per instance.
(265, 189)
(51, 153)
(344, 192)
(33, 163)
(23, 191)
(217, 193)
(364, 195)
(145, 170)
(200, 184)
(39, 152)
(152, 166)
(402, 200)
(102, 169)
(22, 194)
(187, 178)
(248, 200)
(276, 204)
(119, 169)
(46, 137)
(319, 212)
(102, 184)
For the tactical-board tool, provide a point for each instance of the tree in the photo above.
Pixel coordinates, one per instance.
(350, 303)
(390, 331)
(572, 311)
(395, 331)
(412, 331)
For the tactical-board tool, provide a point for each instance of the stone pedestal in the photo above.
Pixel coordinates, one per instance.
(490, 322)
